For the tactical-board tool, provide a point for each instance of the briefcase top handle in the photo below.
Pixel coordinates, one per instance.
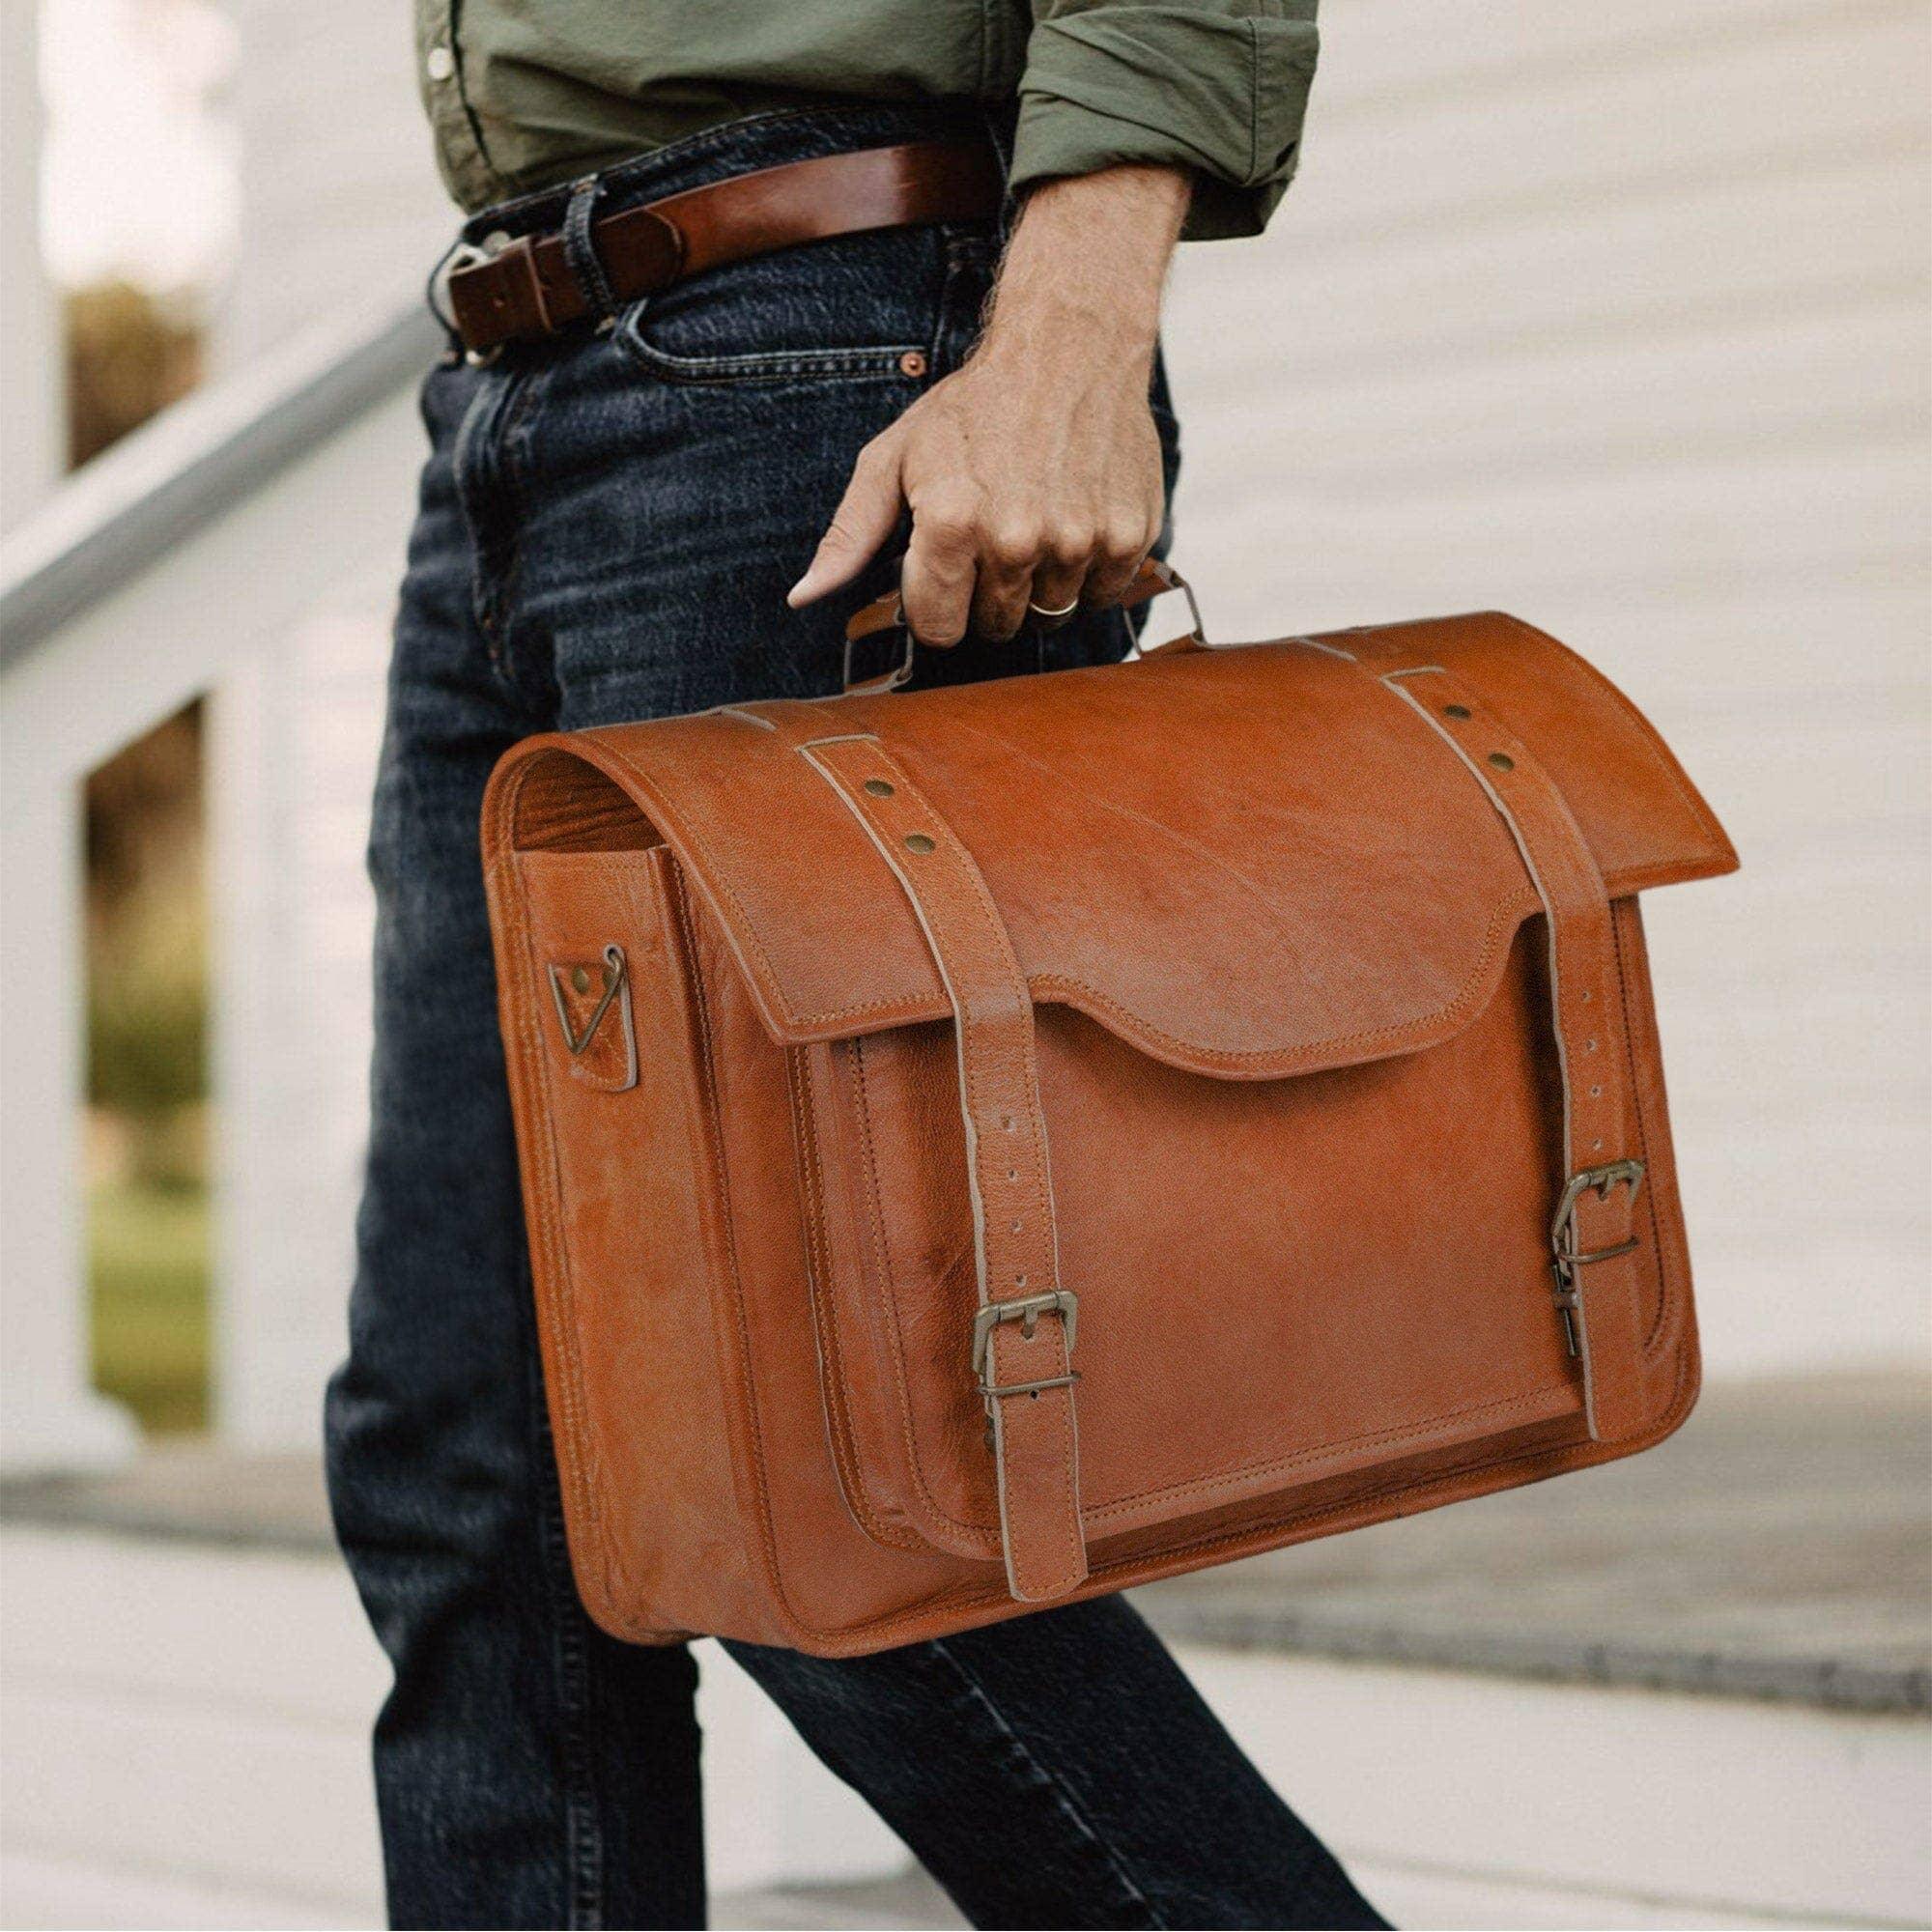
(884, 613)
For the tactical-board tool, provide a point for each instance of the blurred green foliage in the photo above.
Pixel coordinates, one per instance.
(147, 1014)
(130, 353)
(149, 1251)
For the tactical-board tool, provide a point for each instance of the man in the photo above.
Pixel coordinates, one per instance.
(637, 442)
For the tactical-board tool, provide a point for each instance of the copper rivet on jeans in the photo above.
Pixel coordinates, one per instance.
(1502, 761)
(912, 363)
(878, 787)
(1457, 710)
(580, 979)
(918, 841)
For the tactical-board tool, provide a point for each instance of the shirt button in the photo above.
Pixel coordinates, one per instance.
(440, 64)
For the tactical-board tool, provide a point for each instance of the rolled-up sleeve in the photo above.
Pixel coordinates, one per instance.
(1218, 87)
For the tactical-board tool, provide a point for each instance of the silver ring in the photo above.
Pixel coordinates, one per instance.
(1065, 610)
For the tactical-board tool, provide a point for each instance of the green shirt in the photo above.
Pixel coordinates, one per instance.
(523, 94)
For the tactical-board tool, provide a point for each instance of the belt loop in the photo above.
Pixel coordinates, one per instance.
(579, 252)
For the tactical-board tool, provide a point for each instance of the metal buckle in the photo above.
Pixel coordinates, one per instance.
(613, 982)
(464, 255)
(1027, 1311)
(891, 680)
(1566, 1258)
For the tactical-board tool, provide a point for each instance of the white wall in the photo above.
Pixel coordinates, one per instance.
(1615, 317)
(337, 172)
(33, 381)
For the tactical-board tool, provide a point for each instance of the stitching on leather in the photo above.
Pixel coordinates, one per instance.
(1072, 1539)
(1265, 1535)
(898, 1005)
(1628, 880)
(1205, 1485)
(820, 1270)
(889, 1274)
(1653, 1341)
(525, 1066)
(1503, 926)
(585, 1467)
(746, 1380)
(918, 1009)
(1121, 1505)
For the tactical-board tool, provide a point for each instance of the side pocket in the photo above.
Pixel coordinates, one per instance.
(859, 309)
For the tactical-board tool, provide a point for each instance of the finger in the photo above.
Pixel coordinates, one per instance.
(1125, 543)
(1005, 581)
(1061, 575)
(867, 515)
(937, 581)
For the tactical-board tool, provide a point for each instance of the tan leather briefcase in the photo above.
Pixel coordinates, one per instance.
(989, 1146)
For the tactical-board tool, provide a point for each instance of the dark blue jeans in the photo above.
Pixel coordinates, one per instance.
(607, 528)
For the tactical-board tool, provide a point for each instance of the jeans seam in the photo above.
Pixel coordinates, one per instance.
(582, 1828)
(1068, 1800)
(510, 433)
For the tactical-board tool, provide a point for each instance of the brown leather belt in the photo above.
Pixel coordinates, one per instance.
(526, 290)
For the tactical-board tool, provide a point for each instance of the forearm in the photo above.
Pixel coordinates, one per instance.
(1087, 261)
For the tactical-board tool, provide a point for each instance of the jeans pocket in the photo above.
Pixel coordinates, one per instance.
(861, 307)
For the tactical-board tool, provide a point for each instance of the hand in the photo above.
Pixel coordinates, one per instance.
(1033, 473)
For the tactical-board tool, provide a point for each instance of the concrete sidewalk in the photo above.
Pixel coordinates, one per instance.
(1688, 1691)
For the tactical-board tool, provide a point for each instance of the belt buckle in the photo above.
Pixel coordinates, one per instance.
(466, 255)
(1565, 1257)
(1026, 1309)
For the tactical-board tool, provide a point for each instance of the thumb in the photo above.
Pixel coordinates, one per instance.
(867, 515)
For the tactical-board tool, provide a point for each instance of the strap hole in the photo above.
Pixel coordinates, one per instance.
(1012, 1174)
(878, 787)
(1589, 1046)
(1456, 711)
(1588, 996)
(1596, 1093)
(1596, 1147)
(1019, 1281)
(918, 841)
(1007, 1122)
(1017, 1226)
(1502, 761)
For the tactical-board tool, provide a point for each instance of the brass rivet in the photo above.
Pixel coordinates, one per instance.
(580, 979)
(1457, 710)
(1502, 761)
(878, 787)
(912, 363)
(918, 841)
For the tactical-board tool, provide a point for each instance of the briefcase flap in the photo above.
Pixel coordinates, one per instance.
(1247, 861)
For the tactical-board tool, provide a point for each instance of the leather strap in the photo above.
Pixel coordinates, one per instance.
(1025, 1333)
(1595, 1259)
(886, 613)
(526, 289)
